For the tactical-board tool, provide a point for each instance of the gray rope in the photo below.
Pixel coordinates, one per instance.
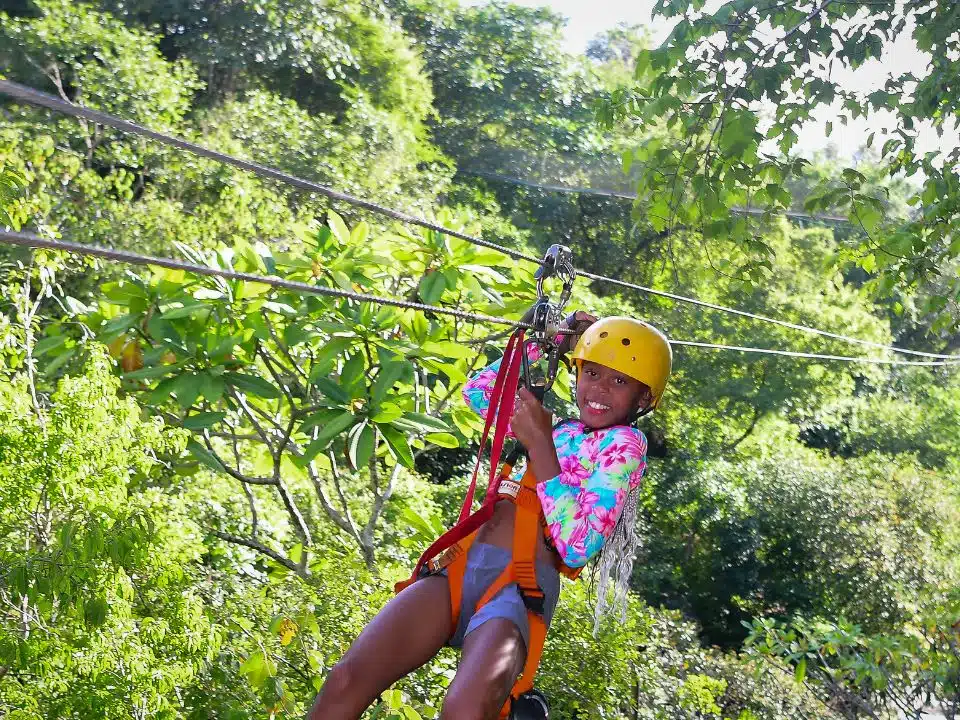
(816, 356)
(34, 241)
(42, 99)
(763, 318)
(35, 97)
(616, 194)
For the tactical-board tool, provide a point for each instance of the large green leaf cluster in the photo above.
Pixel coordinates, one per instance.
(797, 533)
(240, 482)
(97, 564)
(734, 85)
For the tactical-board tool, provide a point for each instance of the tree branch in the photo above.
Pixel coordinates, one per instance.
(294, 365)
(236, 474)
(378, 504)
(241, 401)
(263, 550)
(335, 472)
(294, 512)
(344, 523)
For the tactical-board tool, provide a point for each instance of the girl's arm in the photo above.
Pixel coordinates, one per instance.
(479, 388)
(583, 502)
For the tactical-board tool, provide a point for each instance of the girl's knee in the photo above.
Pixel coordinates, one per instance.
(340, 682)
(341, 676)
(459, 705)
(477, 700)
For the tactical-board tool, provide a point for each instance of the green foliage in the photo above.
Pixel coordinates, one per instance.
(319, 52)
(715, 400)
(652, 666)
(229, 521)
(866, 675)
(491, 65)
(92, 555)
(794, 532)
(11, 184)
(925, 426)
(322, 400)
(711, 79)
(90, 58)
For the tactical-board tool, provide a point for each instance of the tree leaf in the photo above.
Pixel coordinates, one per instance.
(445, 440)
(361, 445)
(212, 386)
(95, 612)
(352, 373)
(318, 419)
(399, 447)
(332, 390)
(187, 389)
(152, 373)
(323, 362)
(204, 456)
(253, 385)
(338, 227)
(360, 233)
(329, 431)
(184, 310)
(49, 343)
(201, 421)
(387, 377)
(425, 422)
(432, 285)
(258, 668)
(447, 349)
(387, 413)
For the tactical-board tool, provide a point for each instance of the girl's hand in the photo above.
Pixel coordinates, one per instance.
(578, 321)
(532, 424)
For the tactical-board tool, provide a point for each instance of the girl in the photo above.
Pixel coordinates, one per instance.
(585, 471)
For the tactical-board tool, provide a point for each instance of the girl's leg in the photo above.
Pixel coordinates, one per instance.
(493, 657)
(408, 631)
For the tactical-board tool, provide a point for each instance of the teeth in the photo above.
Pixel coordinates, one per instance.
(598, 406)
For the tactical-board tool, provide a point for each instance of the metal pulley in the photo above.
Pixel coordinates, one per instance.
(547, 316)
(557, 262)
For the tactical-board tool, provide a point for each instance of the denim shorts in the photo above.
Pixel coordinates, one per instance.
(484, 565)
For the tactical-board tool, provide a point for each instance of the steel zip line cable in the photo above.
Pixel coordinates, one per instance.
(818, 356)
(694, 301)
(764, 318)
(35, 97)
(34, 241)
(42, 99)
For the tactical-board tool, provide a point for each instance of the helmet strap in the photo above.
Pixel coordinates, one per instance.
(639, 414)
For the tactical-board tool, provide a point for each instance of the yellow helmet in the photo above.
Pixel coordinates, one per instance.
(631, 347)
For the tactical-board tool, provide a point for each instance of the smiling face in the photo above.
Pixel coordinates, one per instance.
(607, 397)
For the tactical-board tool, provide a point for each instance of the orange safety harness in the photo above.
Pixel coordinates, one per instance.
(451, 549)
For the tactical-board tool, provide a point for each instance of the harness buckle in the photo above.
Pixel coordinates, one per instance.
(535, 602)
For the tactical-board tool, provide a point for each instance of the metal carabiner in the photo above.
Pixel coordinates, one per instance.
(557, 262)
(548, 316)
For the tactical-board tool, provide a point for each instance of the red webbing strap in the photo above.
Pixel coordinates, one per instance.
(501, 404)
(508, 376)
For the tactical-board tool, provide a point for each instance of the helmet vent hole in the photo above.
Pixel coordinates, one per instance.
(603, 334)
(625, 341)
(634, 358)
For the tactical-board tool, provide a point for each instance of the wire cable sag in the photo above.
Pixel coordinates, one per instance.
(125, 256)
(42, 99)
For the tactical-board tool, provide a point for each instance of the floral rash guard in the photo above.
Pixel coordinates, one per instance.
(598, 468)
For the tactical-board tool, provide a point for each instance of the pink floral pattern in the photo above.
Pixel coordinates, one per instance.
(582, 504)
